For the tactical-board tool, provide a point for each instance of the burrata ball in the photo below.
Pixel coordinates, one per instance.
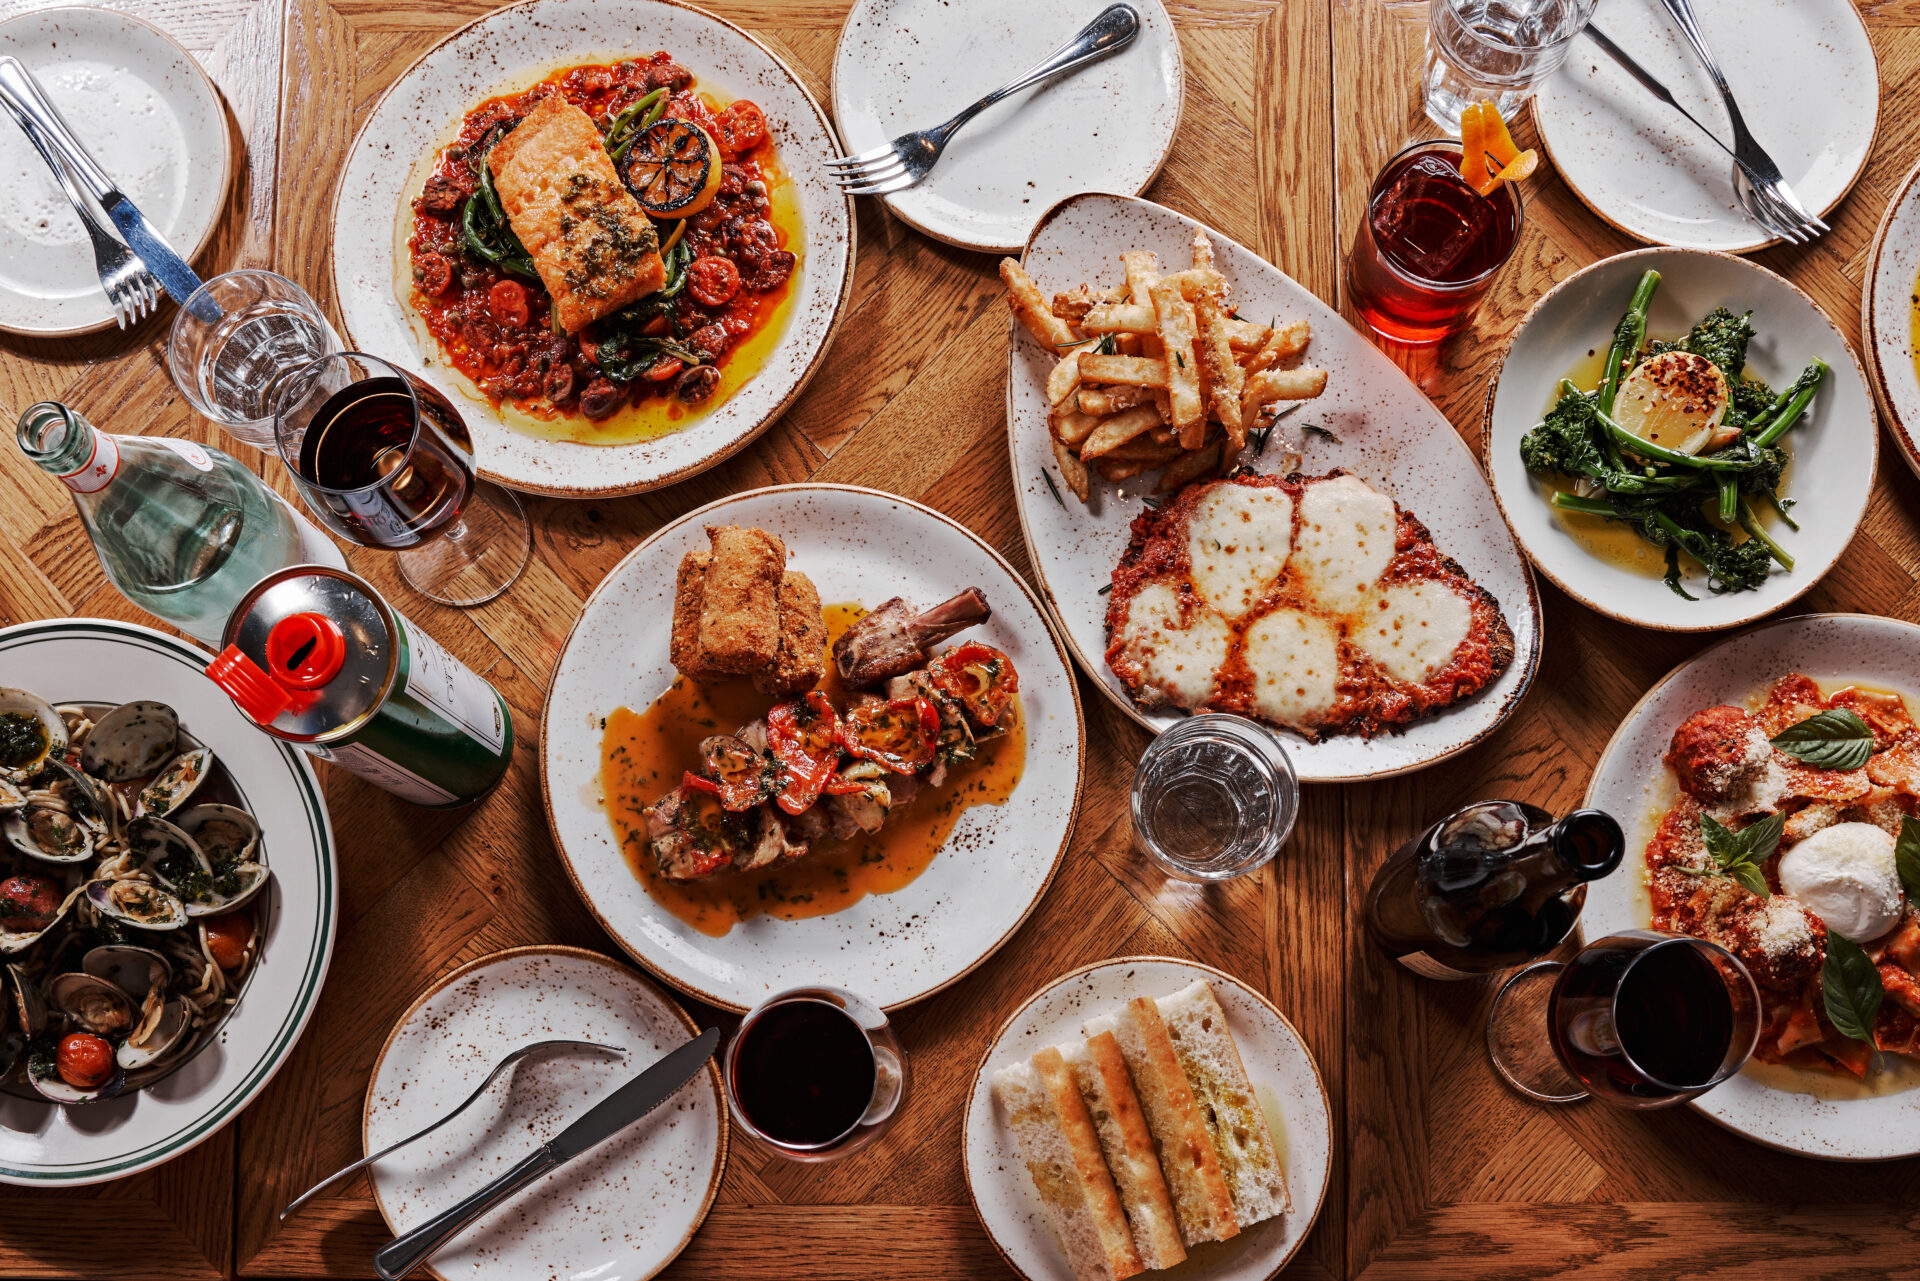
(1845, 875)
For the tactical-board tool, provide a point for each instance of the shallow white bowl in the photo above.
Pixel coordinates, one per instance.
(1886, 317)
(1834, 445)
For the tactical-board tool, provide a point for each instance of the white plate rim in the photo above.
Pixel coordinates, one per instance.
(1212, 974)
(1870, 325)
(1073, 686)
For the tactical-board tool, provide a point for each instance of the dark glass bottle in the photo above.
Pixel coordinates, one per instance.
(1492, 885)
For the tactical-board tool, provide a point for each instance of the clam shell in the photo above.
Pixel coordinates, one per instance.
(12, 795)
(177, 781)
(26, 703)
(226, 834)
(45, 1078)
(133, 969)
(165, 853)
(48, 834)
(87, 797)
(131, 741)
(231, 888)
(93, 1004)
(28, 1006)
(16, 941)
(137, 903)
(168, 1033)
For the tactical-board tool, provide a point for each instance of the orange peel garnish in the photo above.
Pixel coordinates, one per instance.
(1488, 156)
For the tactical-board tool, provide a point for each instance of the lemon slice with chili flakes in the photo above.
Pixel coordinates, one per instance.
(1487, 154)
(673, 169)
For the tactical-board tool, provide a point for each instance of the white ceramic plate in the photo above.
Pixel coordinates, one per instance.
(503, 52)
(621, 1212)
(148, 113)
(1278, 1061)
(856, 545)
(1803, 72)
(1886, 317)
(903, 65)
(1633, 784)
(86, 660)
(1834, 446)
(1390, 435)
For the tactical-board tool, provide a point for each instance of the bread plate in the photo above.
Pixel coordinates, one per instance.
(1886, 317)
(1377, 424)
(1631, 782)
(857, 545)
(509, 50)
(1834, 446)
(87, 660)
(1277, 1060)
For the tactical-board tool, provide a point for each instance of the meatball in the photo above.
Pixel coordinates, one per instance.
(441, 198)
(1714, 751)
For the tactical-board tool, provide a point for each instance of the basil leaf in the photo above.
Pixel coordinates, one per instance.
(1763, 838)
(1838, 739)
(1850, 985)
(1906, 857)
(1722, 843)
(1751, 877)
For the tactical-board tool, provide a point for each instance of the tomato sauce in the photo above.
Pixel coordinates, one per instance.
(495, 327)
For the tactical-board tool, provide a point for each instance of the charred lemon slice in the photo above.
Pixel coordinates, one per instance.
(673, 169)
(1676, 400)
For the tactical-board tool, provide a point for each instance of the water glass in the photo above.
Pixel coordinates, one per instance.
(230, 369)
(1495, 50)
(1214, 798)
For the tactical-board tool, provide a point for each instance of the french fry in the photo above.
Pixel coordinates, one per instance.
(1177, 334)
(1134, 371)
(1189, 467)
(1202, 249)
(1142, 450)
(1143, 268)
(1119, 318)
(1118, 430)
(1024, 297)
(1288, 339)
(1064, 380)
(1226, 382)
(1074, 303)
(1072, 427)
(1101, 401)
(1272, 385)
(1245, 335)
(1072, 470)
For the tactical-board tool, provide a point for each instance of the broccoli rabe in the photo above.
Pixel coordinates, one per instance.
(1721, 337)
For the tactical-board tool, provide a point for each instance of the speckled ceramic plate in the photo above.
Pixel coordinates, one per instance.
(1278, 1061)
(623, 1211)
(1633, 785)
(1886, 317)
(1803, 72)
(909, 64)
(856, 545)
(103, 69)
(1834, 446)
(87, 660)
(1383, 430)
(506, 51)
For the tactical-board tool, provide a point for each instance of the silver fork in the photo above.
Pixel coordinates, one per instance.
(1753, 158)
(132, 290)
(908, 158)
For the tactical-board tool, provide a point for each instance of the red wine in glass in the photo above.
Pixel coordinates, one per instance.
(382, 462)
(804, 1073)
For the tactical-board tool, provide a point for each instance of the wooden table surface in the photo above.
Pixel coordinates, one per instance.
(1439, 1171)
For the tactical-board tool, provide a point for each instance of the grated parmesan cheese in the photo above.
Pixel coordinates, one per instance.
(1755, 784)
(1781, 928)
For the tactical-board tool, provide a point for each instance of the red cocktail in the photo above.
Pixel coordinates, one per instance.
(1430, 244)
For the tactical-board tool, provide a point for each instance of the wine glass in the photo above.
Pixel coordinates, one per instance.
(815, 1073)
(1639, 1019)
(385, 461)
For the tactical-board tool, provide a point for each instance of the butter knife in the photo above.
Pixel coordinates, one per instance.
(602, 1121)
(24, 94)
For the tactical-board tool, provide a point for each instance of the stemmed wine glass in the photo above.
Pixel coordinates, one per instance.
(1639, 1019)
(385, 461)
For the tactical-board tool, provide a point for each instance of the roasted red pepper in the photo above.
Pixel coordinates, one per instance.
(899, 733)
(980, 676)
(805, 738)
(744, 777)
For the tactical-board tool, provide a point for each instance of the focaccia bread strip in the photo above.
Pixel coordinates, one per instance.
(801, 661)
(740, 611)
(1101, 1073)
(1210, 1059)
(689, 595)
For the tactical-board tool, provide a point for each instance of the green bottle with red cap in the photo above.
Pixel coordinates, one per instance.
(315, 657)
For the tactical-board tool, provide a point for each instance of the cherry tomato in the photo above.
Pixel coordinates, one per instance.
(740, 127)
(899, 733)
(507, 302)
(713, 281)
(980, 676)
(434, 273)
(805, 738)
(27, 903)
(742, 777)
(227, 937)
(84, 1060)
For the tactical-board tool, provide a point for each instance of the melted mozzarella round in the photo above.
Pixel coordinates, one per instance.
(1238, 540)
(1295, 661)
(1347, 534)
(1178, 658)
(1412, 629)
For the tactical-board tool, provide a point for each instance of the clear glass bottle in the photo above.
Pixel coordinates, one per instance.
(182, 530)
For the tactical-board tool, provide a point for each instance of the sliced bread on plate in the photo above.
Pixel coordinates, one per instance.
(1101, 1073)
(1237, 1124)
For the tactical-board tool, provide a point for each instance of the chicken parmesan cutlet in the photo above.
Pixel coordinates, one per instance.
(1313, 603)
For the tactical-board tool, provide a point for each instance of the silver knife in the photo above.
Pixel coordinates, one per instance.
(24, 96)
(601, 1122)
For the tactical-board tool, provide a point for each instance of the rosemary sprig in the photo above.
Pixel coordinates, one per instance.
(1053, 488)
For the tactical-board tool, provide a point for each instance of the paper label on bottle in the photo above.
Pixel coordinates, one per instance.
(196, 456)
(1426, 967)
(383, 773)
(102, 465)
(453, 689)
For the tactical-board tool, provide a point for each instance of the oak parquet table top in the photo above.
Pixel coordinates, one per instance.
(1439, 1171)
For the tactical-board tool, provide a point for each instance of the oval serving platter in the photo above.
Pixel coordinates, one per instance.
(1382, 428)
(505, 51)
(856, 545)
(1632, 782)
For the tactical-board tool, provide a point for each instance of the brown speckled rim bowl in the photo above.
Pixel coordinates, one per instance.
(1876, 327)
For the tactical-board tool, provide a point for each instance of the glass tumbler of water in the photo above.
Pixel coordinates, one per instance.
(1495, 50)
(1214, 798)
(231, 368)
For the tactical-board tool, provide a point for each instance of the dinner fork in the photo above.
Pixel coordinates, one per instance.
(1776, 218)
(131, 289)
(896, 165)
(511, 1059)
(1759, 166)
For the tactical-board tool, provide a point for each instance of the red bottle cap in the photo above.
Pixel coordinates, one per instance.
(305, 651)
(252, 689)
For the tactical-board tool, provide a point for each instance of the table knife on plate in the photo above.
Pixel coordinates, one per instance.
(601, 1122)
(24, 96)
